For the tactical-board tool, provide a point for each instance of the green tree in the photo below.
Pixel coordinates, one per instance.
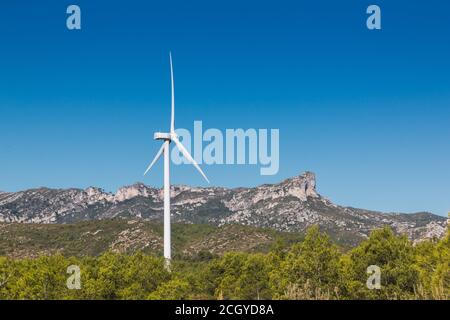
(440, 278)
(118, 276)
(7, 271)
(38, 279)
(315, 262)
(175, 289)
(395, 257)
(239, 276)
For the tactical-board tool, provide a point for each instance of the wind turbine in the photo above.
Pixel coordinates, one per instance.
(167, 138)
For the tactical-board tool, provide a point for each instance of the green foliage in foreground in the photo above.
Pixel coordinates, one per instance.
(315, 268)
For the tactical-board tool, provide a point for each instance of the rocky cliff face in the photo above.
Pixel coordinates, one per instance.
(292, 205)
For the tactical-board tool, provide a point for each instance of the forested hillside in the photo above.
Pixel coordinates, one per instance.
(313, 268)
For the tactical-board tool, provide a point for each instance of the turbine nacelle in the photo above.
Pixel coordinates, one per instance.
(163, 136)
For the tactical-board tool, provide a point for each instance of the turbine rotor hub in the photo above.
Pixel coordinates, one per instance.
(162, 136)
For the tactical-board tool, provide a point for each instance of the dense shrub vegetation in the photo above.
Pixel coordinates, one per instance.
(315, 268)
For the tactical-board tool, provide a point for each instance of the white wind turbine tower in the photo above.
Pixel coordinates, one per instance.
(167, 138)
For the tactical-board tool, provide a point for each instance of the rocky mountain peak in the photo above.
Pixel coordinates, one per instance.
(92, 191)
(123, 194)
(302, 186)
(133, 191)
(94, 195)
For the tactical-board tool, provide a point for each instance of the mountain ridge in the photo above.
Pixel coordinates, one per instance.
(289, 206)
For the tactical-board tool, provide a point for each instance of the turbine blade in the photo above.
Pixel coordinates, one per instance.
(172, 122)
(158, 155)
(188, 156)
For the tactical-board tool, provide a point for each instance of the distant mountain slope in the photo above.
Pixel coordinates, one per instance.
(92, 238)
(292, 205)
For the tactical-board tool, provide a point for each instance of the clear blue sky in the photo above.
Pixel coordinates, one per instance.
(368, 111)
